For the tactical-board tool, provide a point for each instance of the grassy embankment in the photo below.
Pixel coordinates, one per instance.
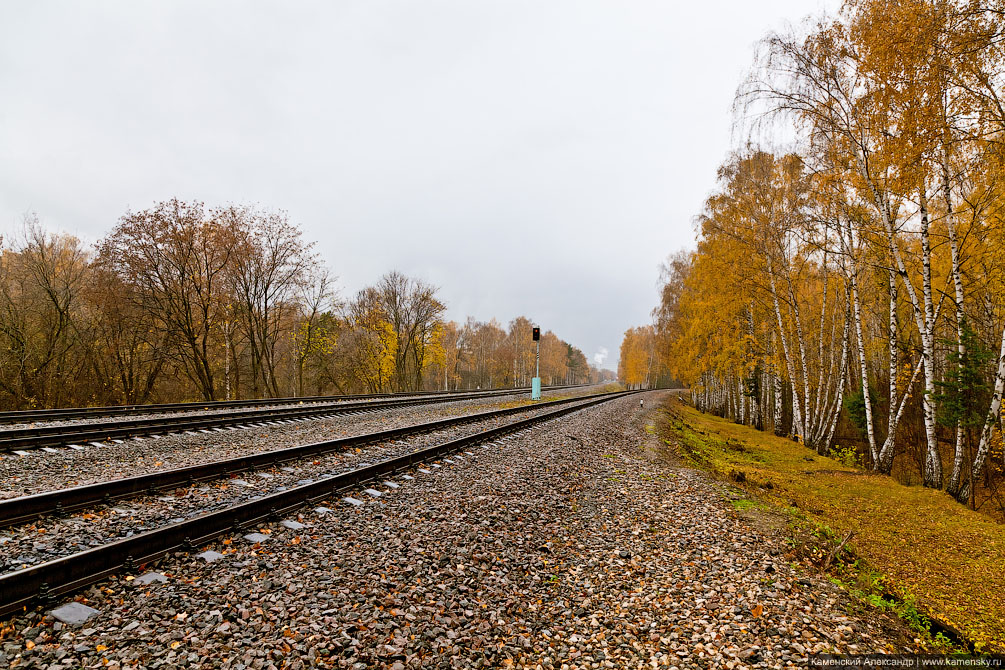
(935, 555)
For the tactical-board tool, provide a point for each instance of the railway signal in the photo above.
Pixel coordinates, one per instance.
(535, 388)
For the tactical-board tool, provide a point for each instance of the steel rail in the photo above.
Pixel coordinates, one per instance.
(63, 413)
(50, 436)
(43, 582)
(23, 509)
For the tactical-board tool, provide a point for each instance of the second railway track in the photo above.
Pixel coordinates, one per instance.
(24, 439)
(71, 413)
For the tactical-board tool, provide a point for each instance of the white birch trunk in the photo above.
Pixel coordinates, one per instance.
(777, 392)
(808, 419)
(828, 439)
(961, 349)
(797, 421)
(755, 402)
(864, 370)
(884, 460)
(817, 407)
(761, 399)
(933, 461)
(856, 313)
(741, 401)
(828, 385)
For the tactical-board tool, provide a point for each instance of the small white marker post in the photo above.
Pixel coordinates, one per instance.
(535, 385)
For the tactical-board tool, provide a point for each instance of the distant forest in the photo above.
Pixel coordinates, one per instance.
(185, 302)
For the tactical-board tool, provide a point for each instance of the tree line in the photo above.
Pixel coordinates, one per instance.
(187, 302)
(639, 365)
(851, 286)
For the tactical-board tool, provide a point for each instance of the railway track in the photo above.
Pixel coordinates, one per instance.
(23, 509)
(22, 439)
(41, 583)
(69, 413)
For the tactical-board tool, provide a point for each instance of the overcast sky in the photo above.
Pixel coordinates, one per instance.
(532, 158)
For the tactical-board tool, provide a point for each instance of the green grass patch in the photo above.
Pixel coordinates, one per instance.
(743, 504)
(932, 553)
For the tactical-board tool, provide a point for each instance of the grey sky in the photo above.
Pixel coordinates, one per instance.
(535, 158)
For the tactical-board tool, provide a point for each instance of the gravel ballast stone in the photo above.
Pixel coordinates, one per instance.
(256, 538)
(73, 613)
(569, 545)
